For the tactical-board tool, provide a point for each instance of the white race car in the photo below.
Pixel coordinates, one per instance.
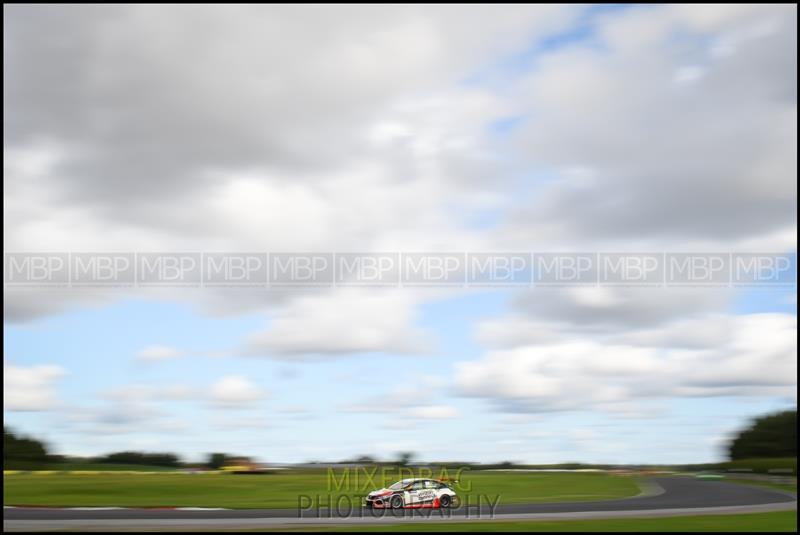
(413, 494)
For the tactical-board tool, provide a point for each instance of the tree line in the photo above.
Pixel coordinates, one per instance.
(22, 453)
(770, 436)
(26, 453)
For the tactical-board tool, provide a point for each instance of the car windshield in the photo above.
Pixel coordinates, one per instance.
(399, 485)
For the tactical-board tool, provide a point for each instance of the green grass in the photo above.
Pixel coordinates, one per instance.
(756, 522)
(282, 490)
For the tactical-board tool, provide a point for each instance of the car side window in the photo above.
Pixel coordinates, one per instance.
(418, 485)
(431, 484)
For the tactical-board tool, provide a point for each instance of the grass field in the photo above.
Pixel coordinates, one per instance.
(282, 490)
(758, 522)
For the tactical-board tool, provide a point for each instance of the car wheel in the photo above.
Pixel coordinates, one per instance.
(396, 502)
(445, 501)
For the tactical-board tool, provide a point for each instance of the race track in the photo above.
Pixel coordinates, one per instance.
(665, 496)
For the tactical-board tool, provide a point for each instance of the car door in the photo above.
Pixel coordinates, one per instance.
(428, 492)
(414, 491)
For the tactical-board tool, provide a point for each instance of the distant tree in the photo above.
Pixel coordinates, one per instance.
(404, 457)
(22, 452)
(773, 435)
(136, 457)
(216, 460)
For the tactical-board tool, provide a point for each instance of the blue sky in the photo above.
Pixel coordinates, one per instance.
(400, 129)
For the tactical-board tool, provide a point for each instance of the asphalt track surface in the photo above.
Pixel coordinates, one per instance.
(664, 496)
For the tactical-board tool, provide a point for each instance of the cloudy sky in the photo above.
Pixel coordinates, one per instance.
(415, 128)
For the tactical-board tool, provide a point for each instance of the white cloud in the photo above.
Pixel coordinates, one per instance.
(149, 409)
(235, 391)
(688, 74)
(385, 149)
(745, 355)
(265, 123)
(407, 405)
(670, 164)
(147, 393)
(122, 413)
(343, 321)
(30, 388)
(545, 314)
(158, 353)
(432, 412)
(270, 161)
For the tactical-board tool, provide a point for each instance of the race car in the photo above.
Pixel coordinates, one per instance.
(413, 494)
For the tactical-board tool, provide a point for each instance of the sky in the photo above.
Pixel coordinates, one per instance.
(400, 129)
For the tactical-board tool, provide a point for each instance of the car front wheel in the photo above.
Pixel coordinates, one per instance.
(445, 501)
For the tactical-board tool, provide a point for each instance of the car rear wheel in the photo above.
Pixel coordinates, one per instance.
(445, 501)
(396, 502)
